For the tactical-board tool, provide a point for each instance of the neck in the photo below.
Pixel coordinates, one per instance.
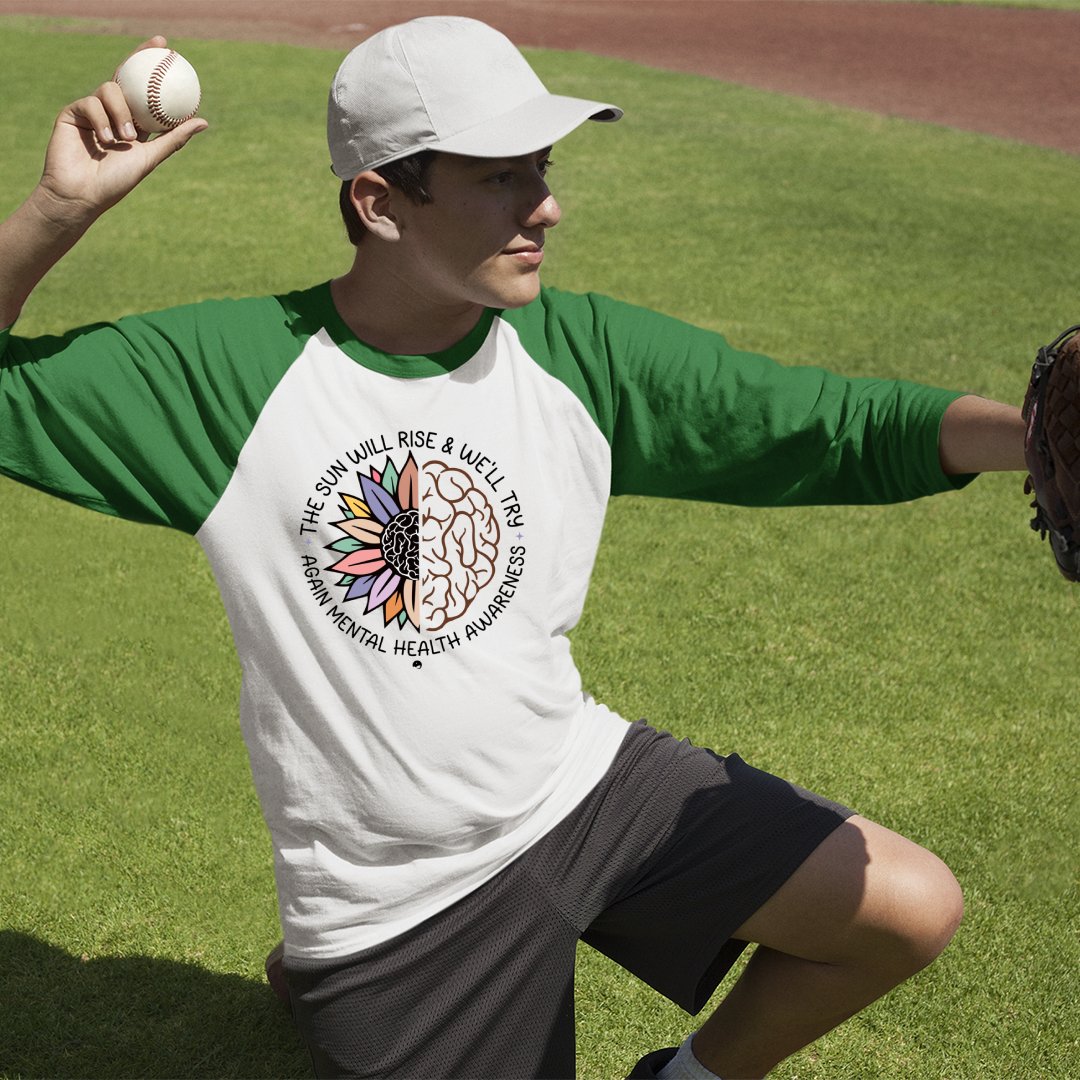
(384, 311)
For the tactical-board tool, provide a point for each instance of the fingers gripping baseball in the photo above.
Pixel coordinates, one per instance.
(97, 155)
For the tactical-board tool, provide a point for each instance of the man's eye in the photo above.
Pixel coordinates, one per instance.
(544, 166)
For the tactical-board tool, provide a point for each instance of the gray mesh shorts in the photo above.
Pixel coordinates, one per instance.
(671, 852)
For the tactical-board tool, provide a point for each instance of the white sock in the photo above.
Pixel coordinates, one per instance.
(684, 1066)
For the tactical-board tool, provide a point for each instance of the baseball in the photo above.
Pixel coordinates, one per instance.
(160, 87)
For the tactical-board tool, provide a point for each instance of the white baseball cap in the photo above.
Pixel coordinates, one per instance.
(444, 83)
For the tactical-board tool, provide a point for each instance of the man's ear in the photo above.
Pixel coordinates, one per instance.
(371, 196)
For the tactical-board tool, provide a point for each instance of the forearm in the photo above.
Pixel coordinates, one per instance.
(978, 435)
(93, 160)
(36, 236)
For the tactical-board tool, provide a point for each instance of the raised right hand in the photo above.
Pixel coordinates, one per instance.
(94, 157)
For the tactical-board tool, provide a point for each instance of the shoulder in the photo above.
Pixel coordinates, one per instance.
(249, 337)
(599, 324)
(294, 313)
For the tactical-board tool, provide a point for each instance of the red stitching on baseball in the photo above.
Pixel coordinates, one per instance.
(153, 89)
(153, 93)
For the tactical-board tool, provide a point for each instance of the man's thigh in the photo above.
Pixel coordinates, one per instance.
(865, 890)
(727, 836)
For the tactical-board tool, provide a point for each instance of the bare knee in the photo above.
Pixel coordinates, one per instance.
(913, 904)
(941, 904)
(866, 899)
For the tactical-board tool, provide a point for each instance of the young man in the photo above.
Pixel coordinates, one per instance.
(399, 478)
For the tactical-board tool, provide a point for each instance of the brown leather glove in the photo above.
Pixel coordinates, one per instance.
(1052, 447)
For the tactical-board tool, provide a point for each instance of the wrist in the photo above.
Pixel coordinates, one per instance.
(36, 236)
(63, 218)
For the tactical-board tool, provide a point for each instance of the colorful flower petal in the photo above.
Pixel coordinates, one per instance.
(360, 586)
(389, 581)
(356, 507)
(389, 478)
(367, 561)
(345, 545)
(366, 530)
(393, 607)
(408, 483)
(383, 505)
(408, 595)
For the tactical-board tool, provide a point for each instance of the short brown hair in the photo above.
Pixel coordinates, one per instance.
(408, 174)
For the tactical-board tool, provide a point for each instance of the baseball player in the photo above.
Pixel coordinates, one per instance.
(399, 478)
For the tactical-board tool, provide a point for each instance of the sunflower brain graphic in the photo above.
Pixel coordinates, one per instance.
(420, 543)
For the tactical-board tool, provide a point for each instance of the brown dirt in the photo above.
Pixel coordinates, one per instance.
(989, 69)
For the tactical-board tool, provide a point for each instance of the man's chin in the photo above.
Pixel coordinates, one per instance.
(524, 292)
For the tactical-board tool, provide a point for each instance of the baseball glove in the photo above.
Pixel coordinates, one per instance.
(1052, 447)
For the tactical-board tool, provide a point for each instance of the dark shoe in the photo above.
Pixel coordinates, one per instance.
(275, 976)
(651, 1064)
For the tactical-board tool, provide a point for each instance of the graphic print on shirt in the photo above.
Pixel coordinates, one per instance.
(381, 545)
(414, 547)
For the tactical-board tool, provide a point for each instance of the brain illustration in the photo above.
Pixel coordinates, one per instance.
(459, 542)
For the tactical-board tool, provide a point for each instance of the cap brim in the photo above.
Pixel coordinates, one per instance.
(527, 128)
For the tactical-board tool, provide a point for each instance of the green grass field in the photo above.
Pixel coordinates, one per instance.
(907, 660)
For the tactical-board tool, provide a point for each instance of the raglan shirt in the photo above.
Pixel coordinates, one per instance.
(402, 544)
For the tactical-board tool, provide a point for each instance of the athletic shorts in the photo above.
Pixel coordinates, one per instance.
(656, 868)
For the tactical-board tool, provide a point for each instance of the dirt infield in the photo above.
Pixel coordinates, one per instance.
(989, 69)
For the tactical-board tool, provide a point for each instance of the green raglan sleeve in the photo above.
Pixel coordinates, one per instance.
(688, 416)
(142, 418)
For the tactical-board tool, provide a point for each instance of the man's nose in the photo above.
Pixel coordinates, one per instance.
(543, 214)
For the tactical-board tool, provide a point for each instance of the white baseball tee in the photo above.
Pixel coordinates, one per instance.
(402, 544)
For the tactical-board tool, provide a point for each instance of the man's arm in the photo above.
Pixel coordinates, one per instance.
(978, 435)
(93, 160)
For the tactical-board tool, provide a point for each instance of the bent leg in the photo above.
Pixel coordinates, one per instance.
(866, 910)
